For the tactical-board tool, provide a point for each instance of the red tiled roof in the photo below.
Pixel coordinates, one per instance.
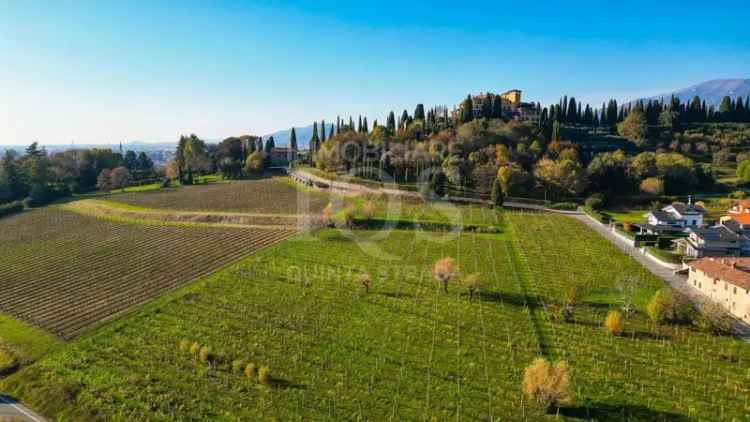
(735, 271)
(740, 218)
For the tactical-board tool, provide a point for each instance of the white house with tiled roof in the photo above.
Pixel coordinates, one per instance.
(725, 281)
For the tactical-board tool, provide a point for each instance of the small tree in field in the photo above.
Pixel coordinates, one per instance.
(195, 348)
(205, 354)
(250, 371)
(714, 319)
(264, 376)
(368, 210)
(444, 270)
(328, 213)
(473, 283)
(613, 323)
(547, 386)
(572, 297)
(365, 280)
(662, 306)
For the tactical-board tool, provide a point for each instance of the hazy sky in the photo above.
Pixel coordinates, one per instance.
(110, 71)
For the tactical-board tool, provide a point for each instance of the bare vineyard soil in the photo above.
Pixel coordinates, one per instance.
(64, 272)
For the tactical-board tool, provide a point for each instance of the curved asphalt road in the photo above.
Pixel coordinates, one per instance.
(13, 411)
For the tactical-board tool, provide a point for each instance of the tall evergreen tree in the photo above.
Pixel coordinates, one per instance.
(467, 110)
(330, 134)
(726, 109)
(572, 116)
(390, 123)
(365, 129)
(270, 144)
(419, 112)
(293, 139)
(314, 140)
(322, 131)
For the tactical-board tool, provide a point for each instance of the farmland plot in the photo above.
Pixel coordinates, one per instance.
(273, 196)
(404, 351)
(64, 272)
(650, 372)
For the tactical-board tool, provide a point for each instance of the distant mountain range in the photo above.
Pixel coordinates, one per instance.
(711, 91)
(304, 133)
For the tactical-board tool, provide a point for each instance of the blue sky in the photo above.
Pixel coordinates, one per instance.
(107, 71)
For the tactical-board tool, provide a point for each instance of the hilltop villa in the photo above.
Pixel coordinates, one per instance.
(725, 281)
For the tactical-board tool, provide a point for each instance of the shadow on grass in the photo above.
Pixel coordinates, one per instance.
(286, 385)
(398, 295)
(510, 298)
(609, 412)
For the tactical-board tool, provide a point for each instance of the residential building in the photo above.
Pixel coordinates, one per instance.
(282, 156)
(725, 281)
(512, 97)
(678, 215)
(713, 241)
(528, 112)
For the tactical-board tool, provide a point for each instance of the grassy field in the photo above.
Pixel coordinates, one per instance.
(65, 272)
(272, 196)
(404, 351)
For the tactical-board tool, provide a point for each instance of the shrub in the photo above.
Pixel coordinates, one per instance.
(195, 348)
(184, 345)
(264, 377)
(205, 354)
(368, 210)
(547, 386)
(473, 283)
(564, 206)
(714, 319)
(444, 270)
(738, 194)
(365, 280)
(595, 202)
(11, 208)
(613, 323)
(250, 370)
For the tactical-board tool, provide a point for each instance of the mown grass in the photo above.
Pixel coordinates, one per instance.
(22, 342)
(404, 351)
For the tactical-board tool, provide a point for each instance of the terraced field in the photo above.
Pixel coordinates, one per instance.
(65, 272)
(404, 351)
(272, 196)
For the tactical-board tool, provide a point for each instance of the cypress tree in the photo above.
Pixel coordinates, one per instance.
(314, 140)
(572, 116)
(390, 123)
(419, 112)
(322, 131)
(330, 134)
(365, 129)
(725, 109)
(404, 119)
(467, 110)
(351, 123)
(270, 144)
(293, 140)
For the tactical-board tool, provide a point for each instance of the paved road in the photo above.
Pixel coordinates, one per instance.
(13, 411)
(677, 281)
